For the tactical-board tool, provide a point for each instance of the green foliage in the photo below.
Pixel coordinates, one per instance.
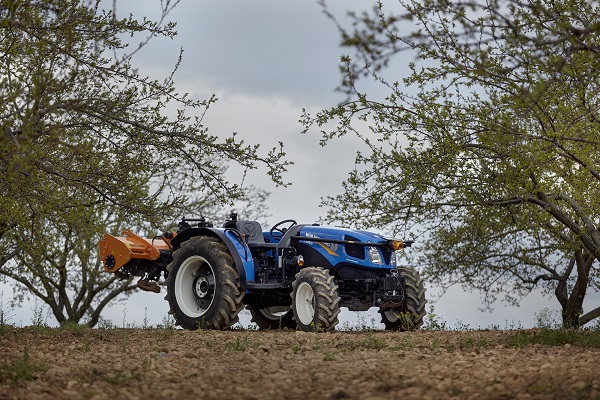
(239, 344)
(80, 120)
(90, 144)
(74, 328)
(556, 337)
(405, 342)
(485, 146)
(547, 319)
(360, 325)
(433, 322)
(475, 343)
(38, 319)
(296, 348)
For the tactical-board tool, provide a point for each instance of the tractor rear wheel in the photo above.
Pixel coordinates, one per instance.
(409, 316)
(273, 317)
(315, 300)
(203, 288)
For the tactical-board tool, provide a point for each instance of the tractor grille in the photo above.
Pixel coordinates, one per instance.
(387, 254)
(354, 250)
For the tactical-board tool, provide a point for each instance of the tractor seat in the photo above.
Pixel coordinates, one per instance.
(253, 234)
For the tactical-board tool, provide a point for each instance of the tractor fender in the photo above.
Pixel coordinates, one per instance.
(239, 251)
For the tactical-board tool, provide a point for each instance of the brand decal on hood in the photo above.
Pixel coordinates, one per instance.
(331, 248)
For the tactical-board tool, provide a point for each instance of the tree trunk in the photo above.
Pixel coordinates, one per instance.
(572, 309)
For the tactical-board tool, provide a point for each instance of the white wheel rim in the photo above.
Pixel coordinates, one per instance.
(305, 303)
(274, 313)
(391, 315)
(188, 283)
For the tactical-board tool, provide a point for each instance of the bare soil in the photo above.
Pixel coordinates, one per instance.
(78, 363)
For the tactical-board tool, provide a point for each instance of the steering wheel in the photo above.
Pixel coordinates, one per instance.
(278, 232)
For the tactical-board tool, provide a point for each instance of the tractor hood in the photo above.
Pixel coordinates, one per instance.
(340, 248)
(341, 234)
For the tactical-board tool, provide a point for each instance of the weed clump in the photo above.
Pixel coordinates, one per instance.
(22, 368)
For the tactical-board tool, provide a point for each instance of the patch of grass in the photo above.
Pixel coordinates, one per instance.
(461, 326)
(123, 336)
(434, 322)
(361, 324)
(316, 328)
(405, 342)
(296, 348)
(239, 344)
(74, 328)
(40, 329)
(475, 343)
(86, 345)
(512, 325)
(145, 324)
(4, 328)
(105, 324)
(21, 368)
(555, 337)
(39, 318)
(548, 319)
(406, 320)
(167, 326)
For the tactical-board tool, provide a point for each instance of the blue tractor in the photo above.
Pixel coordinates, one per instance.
(291, 276)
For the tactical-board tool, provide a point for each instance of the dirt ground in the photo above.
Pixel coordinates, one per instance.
(75, 363)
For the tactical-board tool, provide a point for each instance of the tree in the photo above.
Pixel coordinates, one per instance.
(486, 143)
(84, 135)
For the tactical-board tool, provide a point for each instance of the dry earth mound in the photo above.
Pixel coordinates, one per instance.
(78, 363)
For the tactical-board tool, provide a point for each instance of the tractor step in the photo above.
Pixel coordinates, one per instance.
(256, 285)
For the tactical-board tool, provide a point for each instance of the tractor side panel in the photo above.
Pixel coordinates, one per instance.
(312, 256)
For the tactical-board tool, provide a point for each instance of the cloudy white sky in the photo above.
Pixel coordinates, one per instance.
(266, 60)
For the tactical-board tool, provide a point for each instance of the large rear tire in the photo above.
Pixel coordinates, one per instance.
(409, 316)
(203, 288)
(273, 317)
(315, 300)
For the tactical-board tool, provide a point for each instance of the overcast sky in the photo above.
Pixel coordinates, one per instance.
(266, 60)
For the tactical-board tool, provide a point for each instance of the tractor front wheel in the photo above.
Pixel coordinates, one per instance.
(409, 316)
(273, 317)
(203, 288)
(315, 300)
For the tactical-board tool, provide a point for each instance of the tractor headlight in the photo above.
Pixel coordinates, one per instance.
(393, 259)
(375, 256)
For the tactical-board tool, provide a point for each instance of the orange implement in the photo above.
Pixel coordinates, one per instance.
(116, 251)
